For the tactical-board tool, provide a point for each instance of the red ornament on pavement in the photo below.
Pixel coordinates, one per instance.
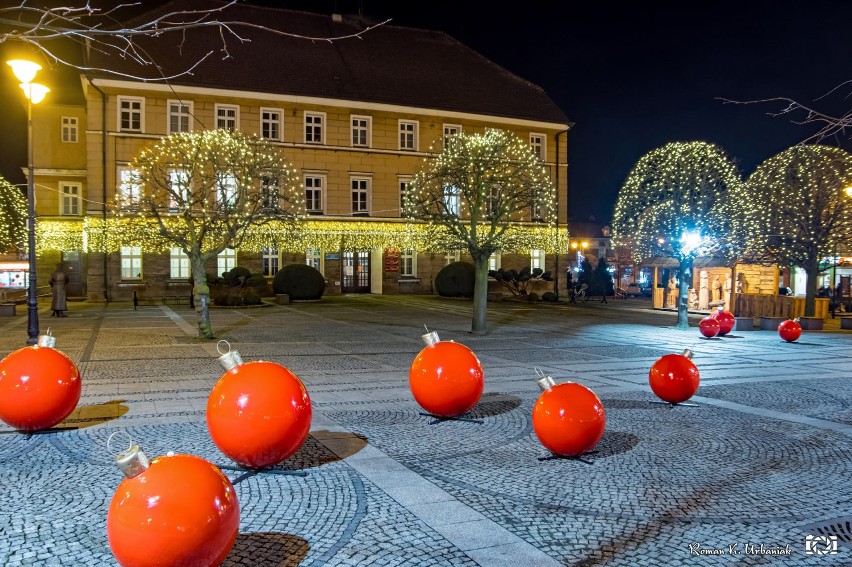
(39, 386)
(175, 510)
(726, 321)
(790, 330)
(709, 327)
(446, 378)
(568, 419)
(258, 413)
(674, 377)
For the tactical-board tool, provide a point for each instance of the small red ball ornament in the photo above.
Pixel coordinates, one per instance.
(175, 510)
(674, 377)
(446, 378)
(39, 386)
(790, 330)
(726, 321)
(258, 413)
(709, 327)
(568, 419)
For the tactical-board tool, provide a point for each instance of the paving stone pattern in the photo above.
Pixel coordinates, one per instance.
(764, 460)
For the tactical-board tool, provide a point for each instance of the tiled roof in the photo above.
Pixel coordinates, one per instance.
(389, 64)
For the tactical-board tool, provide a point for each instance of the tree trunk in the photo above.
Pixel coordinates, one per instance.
(201, 296)
(480, 294)
(812, 270)
(683, 293)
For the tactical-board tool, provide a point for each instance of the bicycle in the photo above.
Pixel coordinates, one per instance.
(580, 294)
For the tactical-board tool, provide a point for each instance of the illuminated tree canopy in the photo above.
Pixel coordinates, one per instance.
(801, 210)
(682, 200)
(205, 190)
(13, 218)
(475, 193)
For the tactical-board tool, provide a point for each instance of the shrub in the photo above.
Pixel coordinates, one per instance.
(532, 297)
(236, 276)
(550, 297)
(299, 281)
(455, 280)
(519, 282)
(251, 298)
(257, 280)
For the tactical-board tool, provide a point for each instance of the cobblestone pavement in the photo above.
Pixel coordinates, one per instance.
(763, 462)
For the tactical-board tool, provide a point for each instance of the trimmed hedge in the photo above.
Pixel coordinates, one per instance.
(455, 280)
(299, 281)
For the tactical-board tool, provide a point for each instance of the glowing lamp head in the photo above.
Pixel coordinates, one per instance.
(24, 70)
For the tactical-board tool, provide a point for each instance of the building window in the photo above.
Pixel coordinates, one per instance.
(226, 260)
(404, 183)
(494, 261)
(269, 196)
(451, 257)
(179, 116)
(451, 130)
(314, 259)
(361, 131)
(70, 204)
(178, 190)
(492, 202)
(408, 263)
(69, 129)
(536, 259)
(226, 191)
(129, 188)
(131, 114)
(314, 127)
(131, 263)
(270, 261)
(227, 117)
(360, 196)
(408, 135)
(538, 211)
(270, 123)
(313, 194)
(452, 203)
(537, 146)
(179, 264)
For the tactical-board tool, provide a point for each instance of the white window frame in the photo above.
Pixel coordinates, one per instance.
(131, 111)
(128, 191)
(275, 121)
(271, 259)
(179, 268)
(408, 263)
(174, 177)
(315, 258)
(495, 261)
(70, 198)
(311, 179)
(226, 260)
(361, 184)
(314, 121)
(492, 198)
(404, 186)
(451, 257)
(270, 192)
(131, 263)
(222, 122)
(452, 200)
(226, 190)
(537, 259)
(451, 130)
(366, 128)
(408, 135)
(538, 143)
(70, 129)
(183, 112)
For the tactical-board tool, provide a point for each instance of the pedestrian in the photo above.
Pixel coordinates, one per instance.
(58, 279)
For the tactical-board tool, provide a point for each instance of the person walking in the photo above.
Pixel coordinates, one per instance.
(58, 279)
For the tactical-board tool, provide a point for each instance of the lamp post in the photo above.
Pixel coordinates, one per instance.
(581, 245)
(25, 71)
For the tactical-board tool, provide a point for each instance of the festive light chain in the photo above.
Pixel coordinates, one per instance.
(13, 218)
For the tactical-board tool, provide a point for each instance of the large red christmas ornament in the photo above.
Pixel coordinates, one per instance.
(709, 327)
(175, 510)
(674, 377)
(446, 378)
(258, 413)
(790, 330)
(726, 321)
(568, 418)
(39, 386)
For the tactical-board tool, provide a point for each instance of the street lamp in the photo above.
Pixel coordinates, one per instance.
(582, 250)
(26, 71)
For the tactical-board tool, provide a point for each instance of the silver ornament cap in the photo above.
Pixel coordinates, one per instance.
(132, 462)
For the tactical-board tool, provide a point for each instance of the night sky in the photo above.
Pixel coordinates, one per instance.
(635, 77)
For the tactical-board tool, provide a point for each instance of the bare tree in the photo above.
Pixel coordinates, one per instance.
(473, 193)
(13, 218)
(205, 190)
(800, 210)
(681, 201)
(116, 29)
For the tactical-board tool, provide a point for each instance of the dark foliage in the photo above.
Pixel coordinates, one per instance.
(519, 282)
(455, 280)
(299, 281)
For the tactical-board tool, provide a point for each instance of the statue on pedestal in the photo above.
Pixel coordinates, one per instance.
(726, 287)
(704, 293)
(717, 288)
